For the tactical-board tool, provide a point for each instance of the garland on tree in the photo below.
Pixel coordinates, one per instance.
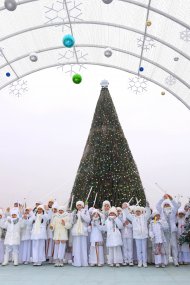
(185, 236)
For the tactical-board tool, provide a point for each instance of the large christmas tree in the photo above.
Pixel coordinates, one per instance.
(107, 164)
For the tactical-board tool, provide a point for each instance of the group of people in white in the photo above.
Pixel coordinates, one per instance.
(126, 235)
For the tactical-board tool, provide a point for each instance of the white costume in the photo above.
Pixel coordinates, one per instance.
(156, 233)
(96, 255)
(184, 250)
(2, 236)
(113, 225)
(60, 235)
(12, 237)
(79, 232)
(25, 244)
(127, 237)
(171, 234)
(38, 237)
(140, 233)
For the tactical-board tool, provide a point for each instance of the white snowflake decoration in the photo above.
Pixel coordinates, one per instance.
(18, 88)
(185, 35)
(170, 80)
(148, 44)
(63, 10)
(137, 84)
(70, 55)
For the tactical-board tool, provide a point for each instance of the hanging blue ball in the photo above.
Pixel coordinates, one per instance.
(68, 41)
(141, 69)
(8, 74)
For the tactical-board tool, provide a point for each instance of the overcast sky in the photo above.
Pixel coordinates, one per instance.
(43, 134)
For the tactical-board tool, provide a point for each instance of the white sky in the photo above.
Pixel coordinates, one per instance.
(43, 134)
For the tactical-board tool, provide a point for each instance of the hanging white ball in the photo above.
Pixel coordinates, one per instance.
(33, 57)
(176, 58)
(10, 5)
(107, 1)
(104, 83)
(108, 52)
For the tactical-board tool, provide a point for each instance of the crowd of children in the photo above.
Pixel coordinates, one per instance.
(130, 235)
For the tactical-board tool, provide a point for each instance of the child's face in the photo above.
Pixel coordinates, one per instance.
(50, 204)
(112, 215)
(27, 211)
(157, 217)
(181, 215)
(138, 213)
(14, 216)
(40, 211)
(79, 207)
(119, 212)
(96, 216)
(0, 216)
(106, 207)
(61, 212)
(54, 210)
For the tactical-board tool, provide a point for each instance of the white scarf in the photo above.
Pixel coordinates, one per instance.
(37, 224)
(79, 224)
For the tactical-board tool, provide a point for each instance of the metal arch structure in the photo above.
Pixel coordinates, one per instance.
(102, 47)
(146, 6)
(109, 66)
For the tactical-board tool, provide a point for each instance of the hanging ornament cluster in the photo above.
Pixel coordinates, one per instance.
(68, 41)
(108, 52)
(148, 23)
(107, 1)
(33, 57)
(10, 5)
(77, 78)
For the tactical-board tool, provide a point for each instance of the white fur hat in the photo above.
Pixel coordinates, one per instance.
(119, 209)
(106, 202)
(166, 201)
(155, 212)
(41, 207)
(113, 210)
(61, 208)
(95, 211)
(80, 203)
(14, 211)
(55, 205)
(91, 210)
(138, 208)
(181, 210)
(51, 200)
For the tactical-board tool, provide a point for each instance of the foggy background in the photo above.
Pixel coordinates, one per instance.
(44, 132)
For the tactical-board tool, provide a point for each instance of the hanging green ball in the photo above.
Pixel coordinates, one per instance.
(77, 78)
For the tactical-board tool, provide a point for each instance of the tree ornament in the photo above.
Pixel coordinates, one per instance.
(77, 78)
(107, 1)
(148, 23)
(10, 5)
(176, 58)
(33, 57)
(8, 74)
(104, 83)
(108, 52)
(163, 93)
(68, 41)
(141, 69)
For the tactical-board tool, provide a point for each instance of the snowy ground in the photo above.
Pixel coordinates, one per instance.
(68, 275)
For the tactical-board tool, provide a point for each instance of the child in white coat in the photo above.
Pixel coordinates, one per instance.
(156, 233)
(13, 225)
(2, 235)
(127, 238)
(96, 256)
(60, 226)
(140, 232)
(80, 221)
(25, 244)
(39, 235)
(113, 225)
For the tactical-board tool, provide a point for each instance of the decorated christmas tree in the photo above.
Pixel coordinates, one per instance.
(107, 170)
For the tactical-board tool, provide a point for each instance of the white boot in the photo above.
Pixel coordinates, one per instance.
(15, 258)
(6, 259)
